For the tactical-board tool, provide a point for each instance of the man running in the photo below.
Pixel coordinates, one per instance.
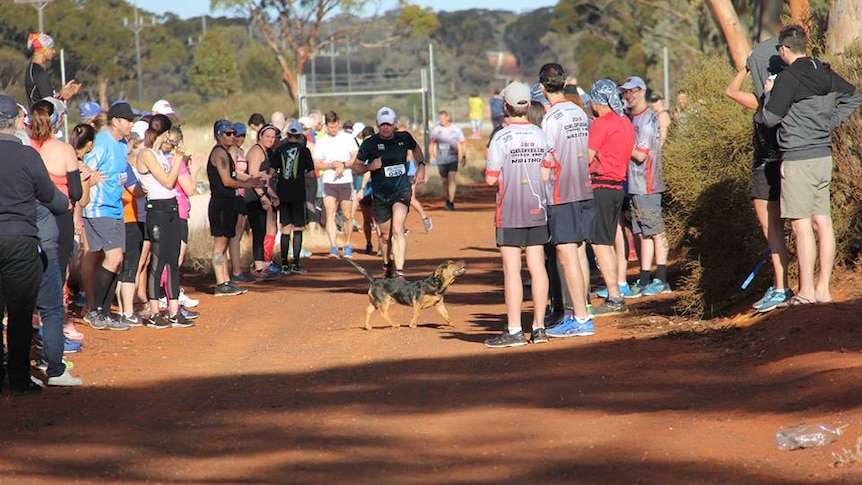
(384, 154)
(448, 146)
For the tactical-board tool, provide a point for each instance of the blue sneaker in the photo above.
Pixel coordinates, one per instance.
(657, 287)
(273, 268)
(348, 252)
(776, 298)
(570, 327)
(333, 252)
(304, 253)
(629, 292)
(601, 293)
(70, 346)
(766, 296)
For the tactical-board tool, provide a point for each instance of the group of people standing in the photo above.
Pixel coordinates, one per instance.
(565, 178)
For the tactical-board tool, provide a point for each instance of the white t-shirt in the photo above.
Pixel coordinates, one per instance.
(339, 148)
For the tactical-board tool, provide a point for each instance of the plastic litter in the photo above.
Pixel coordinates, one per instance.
(806, 436)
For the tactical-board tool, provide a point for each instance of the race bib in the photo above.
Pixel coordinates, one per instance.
(123, 178)
(394, 170)
(443, 148)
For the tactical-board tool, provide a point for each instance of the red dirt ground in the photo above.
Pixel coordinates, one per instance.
(283, 386)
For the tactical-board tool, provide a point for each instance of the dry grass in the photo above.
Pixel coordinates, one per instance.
(849, 457)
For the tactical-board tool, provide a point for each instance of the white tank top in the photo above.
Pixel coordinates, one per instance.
(154, 189)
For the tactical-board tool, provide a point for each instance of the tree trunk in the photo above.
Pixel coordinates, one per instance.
(102, 83)
(800, 14)
(735, 33)
(845, 25)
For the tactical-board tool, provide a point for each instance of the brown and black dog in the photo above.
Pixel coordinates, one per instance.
(418, 294)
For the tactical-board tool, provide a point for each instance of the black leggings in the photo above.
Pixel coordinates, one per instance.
(66, 241)
(165, 230)
(257, 222)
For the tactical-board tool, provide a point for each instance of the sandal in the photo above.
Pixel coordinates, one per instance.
(796, 301)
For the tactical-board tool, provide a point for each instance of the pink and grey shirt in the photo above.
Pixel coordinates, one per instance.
(646, 177)
(567, 128)
(515, 156)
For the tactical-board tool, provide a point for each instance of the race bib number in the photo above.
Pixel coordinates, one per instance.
(394, 170)
(123, 178)
(443, 148)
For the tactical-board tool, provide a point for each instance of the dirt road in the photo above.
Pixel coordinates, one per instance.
(283, 386)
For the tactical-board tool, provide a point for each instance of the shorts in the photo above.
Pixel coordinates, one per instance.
(367, 201)
(522, 236)
(292, 213)
(223, 214)
(134, 243)
(383, 208)
(446, 168)
(341, 192)
(184, 230)
(608, 203)
(243, 211)
(805, 188)
(573, 222)
(105, 234)
(766, 181)
(646, 214)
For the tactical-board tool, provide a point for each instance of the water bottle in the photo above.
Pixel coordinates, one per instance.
(806, 436)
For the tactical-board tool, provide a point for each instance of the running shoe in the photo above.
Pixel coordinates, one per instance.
(348, 252)
(158, 322)
(657, 287)
(611, 306)
(131, 320)
(226, 289)
(187, 302)
(506, 339)
(369, 249)
(273, 267)
(71, 347)
(95, 320)
(571, 327)
(428, 225)
(189, 314)
(179, 321)
(264, 274)
(333, 252)
(241, 278)
(112, 322)
(296, 268)
(774, 301)
(538, 336)
(71, 332)
(304, 253)
(65, 380)
(766, 296)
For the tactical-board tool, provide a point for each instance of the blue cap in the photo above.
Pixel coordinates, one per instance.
(537, 94)
(221, 126)
(239, 128)
(90, 109)
(294, 128)
(8, 107)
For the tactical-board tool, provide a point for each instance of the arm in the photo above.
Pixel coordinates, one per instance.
(59, 203)
(847, 100)
(222, 165)
(462, 152)
(663, 124)
(777, 99)
(491, 177)
(734, 91)
(419, 157)
(147, 163)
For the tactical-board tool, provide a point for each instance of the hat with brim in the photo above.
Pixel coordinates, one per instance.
(123, 110)
(517, 94)
(8, 107)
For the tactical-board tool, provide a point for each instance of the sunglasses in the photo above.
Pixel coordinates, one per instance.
(229, 133)
(175, 142)
(779, 46)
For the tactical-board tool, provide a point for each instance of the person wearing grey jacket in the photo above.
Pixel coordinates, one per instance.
(807, 101)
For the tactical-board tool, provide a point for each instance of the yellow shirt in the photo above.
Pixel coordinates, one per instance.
(477, 107)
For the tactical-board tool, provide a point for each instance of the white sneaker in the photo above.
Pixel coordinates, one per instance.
(187, 302)
(65, 380)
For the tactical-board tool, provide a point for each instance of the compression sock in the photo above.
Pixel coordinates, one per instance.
(661, 272)
(285, 247)
(297, 246)
(106, 286)
(645, 278)
(268, 246)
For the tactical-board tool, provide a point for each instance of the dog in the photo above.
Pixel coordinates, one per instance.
(417, 294)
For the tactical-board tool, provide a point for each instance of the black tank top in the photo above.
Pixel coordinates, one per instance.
(217, 187)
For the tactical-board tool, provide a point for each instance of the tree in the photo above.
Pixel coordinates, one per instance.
(213, 72)
(735, 34)
(292, 29)
(845, 25)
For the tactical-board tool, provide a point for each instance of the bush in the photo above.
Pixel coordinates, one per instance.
(707, 163)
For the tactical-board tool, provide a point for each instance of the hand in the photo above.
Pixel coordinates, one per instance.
(274, 201)
(464, 161)
(375, 164)
(266, 203)
(421, 174)
(86, 172)
(768, 83)
(339, 170)
(70, 89)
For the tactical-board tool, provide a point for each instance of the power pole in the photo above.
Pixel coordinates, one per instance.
(40, 6)
(136, 27)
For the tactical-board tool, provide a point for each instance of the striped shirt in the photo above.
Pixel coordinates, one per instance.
(515, 156)
(567, 129)
(108, 157)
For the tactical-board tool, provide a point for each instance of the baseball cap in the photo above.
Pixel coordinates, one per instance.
(358, 127)
(59, 108)
(294, 128)
(89, 109)
(121, 109)
(8, 107)
(633, 82)
(306, 122)
(140, 128)
(163, 107)
(517, 94)
(240, 129)
(537, 95)
(385, 115)
(221, 126)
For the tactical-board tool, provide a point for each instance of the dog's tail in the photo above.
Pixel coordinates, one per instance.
(362, 270)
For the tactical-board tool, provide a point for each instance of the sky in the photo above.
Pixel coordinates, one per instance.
(195, 8)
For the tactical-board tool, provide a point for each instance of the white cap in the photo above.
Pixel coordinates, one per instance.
(358, 127)
(162, 107)
(140, 127)
(385, 116)
(517, 94)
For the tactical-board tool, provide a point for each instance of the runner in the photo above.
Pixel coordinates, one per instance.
(384, 154)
